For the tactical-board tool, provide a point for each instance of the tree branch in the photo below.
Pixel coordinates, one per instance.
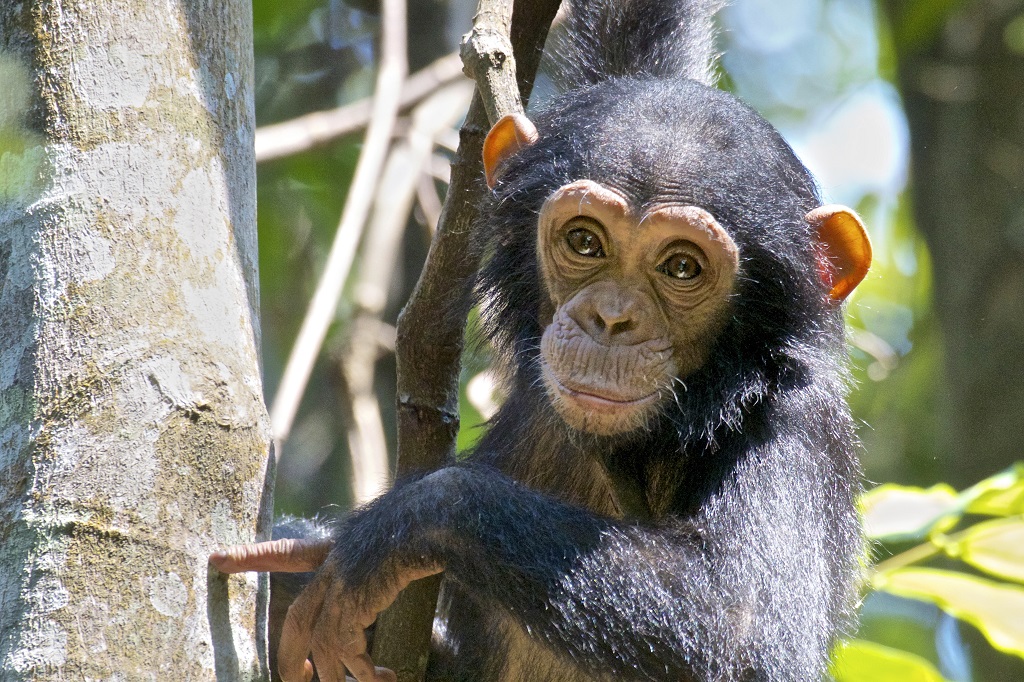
(489, 60)
(324, 305)
(306, 132)
(396, 192)
(430, 329)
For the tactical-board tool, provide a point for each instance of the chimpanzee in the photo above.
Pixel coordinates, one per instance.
(668, 491)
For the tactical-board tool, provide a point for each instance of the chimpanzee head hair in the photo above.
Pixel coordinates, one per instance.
(601, 41)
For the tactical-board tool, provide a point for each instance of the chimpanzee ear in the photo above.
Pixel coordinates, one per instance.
(510, 134)
(846, 253)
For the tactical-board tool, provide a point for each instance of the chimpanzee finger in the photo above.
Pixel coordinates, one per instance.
(337, 635)
(383, 674)
(287, 555)
(297, 631)
(328, 668)
(364, 670)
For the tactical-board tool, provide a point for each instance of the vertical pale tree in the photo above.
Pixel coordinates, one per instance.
(133, 435)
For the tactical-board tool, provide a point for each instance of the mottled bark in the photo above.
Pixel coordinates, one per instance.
(133, 435)
(962, 78)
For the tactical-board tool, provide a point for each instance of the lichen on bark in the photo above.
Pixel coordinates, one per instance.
(133, 435)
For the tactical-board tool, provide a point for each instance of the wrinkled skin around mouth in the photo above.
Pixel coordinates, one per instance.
(604, 389)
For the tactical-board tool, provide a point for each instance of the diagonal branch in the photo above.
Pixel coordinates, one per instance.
(308, 131)
(489, 59)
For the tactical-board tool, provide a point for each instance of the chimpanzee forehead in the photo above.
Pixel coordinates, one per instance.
(678, 142)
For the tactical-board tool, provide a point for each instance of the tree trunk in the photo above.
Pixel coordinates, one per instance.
(133, 435)
(962, 79)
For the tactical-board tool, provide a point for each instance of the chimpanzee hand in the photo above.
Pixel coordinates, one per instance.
(329, 618)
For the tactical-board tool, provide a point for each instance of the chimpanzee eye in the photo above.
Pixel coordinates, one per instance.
(584, 241)
(681, 266)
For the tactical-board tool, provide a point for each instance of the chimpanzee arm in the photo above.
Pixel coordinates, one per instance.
(706, 598)
(593, 585)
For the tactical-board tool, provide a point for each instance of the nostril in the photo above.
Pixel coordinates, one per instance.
(610, 327)
(621, 327)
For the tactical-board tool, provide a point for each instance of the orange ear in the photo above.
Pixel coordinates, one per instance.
(847, 250)
(510, 134)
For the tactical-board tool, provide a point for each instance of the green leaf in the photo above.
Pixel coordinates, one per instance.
(996, 547)
(862, 661)
(896, 512)
(999, 495)
(994, 608)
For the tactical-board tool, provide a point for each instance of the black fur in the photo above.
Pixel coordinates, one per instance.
(639, 38)
(720, 543)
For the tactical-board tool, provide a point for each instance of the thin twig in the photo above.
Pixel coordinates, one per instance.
(393, 202)
(441, 166)
(308, 131)
(367, 444)
(323, 307)
(914, 555)
(450, 142)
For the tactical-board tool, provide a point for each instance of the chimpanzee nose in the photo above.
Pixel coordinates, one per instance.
(610, 314)
(612, 322)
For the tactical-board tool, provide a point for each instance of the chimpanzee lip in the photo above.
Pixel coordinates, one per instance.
(598, 401)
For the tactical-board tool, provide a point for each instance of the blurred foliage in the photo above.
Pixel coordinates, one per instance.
(821, 59)
(860, 659)
(310, 55)
(961, 552)
(919, 21)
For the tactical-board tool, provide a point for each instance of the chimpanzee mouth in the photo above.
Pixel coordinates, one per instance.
(602, 401)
